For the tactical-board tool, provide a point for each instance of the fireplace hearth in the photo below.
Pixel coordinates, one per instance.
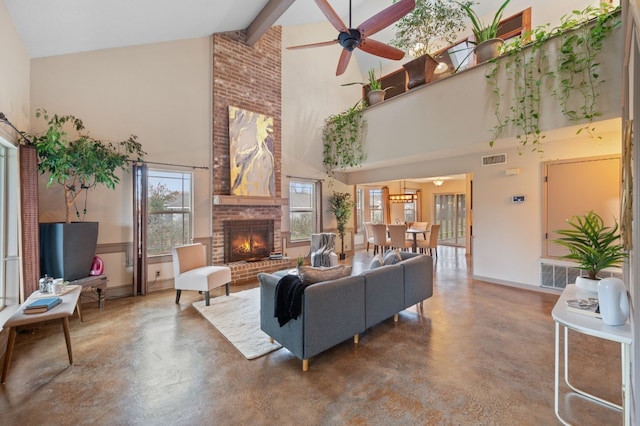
(247, 240)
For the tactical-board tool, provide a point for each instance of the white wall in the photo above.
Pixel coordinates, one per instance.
(160, 92)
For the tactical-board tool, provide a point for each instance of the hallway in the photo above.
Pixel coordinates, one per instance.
(479, 354)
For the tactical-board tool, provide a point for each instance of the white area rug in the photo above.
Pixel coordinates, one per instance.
(237, 317)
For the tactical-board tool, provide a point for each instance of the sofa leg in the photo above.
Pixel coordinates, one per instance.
(227, 288)
(271, 340)
(206, 298)
(421, 307)
(178, 296)
(356, 339)
(395, 318)
(305, 365)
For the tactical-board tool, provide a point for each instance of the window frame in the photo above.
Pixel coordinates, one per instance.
(184, 212)
(314, 209)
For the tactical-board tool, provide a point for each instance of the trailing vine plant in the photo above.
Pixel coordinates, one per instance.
(528, 71)
(342, 135)
(578, 69)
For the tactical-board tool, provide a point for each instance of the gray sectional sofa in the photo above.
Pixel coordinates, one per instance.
(334, 311)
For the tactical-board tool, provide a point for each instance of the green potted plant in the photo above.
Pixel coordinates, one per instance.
(593, 246)
(341, 204)
(486, 36)
(77, 163)
(430, 26)
(376, 93)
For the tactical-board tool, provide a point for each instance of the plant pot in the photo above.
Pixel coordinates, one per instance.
(587, 284)
(488, 49)
(420, 70)
(375, 97)
(67, 249)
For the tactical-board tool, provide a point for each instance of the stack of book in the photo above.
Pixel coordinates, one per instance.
(42, 305)
(589, 307)
(275, 255)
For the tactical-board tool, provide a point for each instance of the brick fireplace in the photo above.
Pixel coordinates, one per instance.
(246, 77)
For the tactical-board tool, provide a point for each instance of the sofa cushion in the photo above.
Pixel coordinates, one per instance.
(376, 261)
(312, 274)
(391, 257)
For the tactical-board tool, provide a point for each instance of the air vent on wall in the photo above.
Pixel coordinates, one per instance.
(492, 160)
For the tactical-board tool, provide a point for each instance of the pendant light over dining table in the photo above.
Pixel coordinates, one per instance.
(404, 197)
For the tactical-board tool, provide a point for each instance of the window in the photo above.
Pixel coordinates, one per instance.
(376, 206)
(169, 210)
(410, 209)
(303, 216)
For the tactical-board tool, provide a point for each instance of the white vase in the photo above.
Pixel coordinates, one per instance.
(587, 284)
(613, 300)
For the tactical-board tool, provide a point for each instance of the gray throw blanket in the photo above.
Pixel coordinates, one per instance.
(322, 256)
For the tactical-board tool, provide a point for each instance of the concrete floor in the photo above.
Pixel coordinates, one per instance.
(479, 354)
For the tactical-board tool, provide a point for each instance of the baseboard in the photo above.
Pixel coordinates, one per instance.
(517, 285)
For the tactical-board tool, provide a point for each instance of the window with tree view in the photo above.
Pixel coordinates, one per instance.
(169, 210)
(302, 209)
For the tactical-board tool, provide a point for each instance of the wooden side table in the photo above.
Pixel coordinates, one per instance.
(63, 311)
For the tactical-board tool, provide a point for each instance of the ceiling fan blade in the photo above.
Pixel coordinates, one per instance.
(345, 56)
(385, 18)
(319, 44)
(331, 15)
(380, 49)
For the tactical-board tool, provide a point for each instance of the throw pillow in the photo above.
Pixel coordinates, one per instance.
(391, 257)
(376, 261)
(315, 275)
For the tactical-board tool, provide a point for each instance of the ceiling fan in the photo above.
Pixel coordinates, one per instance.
(351, 38)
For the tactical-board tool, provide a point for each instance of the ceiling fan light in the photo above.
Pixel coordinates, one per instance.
(441, 68)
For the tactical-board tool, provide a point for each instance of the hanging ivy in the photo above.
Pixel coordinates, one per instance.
(342, 135)
(578, 69)
(528, 70)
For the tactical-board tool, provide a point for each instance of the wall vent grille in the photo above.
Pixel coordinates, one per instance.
(558, 276)
(492, 160)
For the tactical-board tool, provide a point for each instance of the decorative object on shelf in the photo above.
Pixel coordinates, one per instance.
(351, 38)
(430, 26)
(574, 74)
(420, 70)
(376, 92)
(341, 204)
(593, 246)
(77, 164)
(342, 136)
(486, 36)
(613, 300)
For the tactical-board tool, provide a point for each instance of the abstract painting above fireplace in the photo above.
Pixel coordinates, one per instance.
(247, 240)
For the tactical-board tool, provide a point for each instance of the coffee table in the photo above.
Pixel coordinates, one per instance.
(63, 311)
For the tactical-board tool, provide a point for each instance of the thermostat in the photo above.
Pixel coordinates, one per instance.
(517, 199)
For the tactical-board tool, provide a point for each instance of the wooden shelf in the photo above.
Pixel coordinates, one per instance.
(240, 200)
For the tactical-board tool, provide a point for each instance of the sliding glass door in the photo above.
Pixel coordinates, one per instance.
(450, 214)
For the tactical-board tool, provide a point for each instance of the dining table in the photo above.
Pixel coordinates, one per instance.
(414, 232)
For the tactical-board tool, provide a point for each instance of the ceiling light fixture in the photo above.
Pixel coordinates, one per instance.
(404, 197)
(438, 182)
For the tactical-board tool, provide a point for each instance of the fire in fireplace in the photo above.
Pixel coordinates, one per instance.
(248, 240)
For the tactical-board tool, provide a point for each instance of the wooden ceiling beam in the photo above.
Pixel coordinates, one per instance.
(265, 19)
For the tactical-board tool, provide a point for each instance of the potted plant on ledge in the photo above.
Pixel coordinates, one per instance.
(486, 36)
(376, 93)
(593, 246)
(431, 25)
(77, 164)
(340, 204)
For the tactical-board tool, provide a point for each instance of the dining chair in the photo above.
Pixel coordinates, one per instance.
(398, 238)
(421, 225)
(380, 240)
(432, 243)
(368, 232)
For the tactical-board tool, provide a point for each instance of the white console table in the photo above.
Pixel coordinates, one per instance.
(593, 327)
